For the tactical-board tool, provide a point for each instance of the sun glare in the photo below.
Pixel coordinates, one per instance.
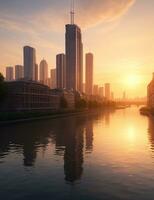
(132, 80)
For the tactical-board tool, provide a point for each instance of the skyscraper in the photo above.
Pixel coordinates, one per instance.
(74, 56)
(36, 72)
(61, 70)
(44, 72)
(89, 73)
(19, 73)
(9, 73)
(95, 90)
(53, 78)
(101, 91)
(29, 63)
(107, 91)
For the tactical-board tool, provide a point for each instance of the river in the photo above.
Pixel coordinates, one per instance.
(99, 156)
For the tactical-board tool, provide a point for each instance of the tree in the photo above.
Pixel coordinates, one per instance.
(3, 89)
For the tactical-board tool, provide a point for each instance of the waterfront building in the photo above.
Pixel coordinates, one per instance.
(19, 73)
(44, 72)
(30, 96)
(68, 95)
(150, 93)
(53, 78)
(9, 73)
(107, 91)
(61, 70)
(29, 63)
(89, 74)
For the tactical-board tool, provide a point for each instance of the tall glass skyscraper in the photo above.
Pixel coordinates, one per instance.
(74, 58)
(29, 63)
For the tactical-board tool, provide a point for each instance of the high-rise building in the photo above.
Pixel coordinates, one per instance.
(19, 72)
(53, 78)
(36, 72)
(9, 73)
(61, 70)
(150, 93)
(74, 57)
(89, 74)
(95, 90)
(107, 91)
(101, 91)
(29, 63)
(112, 96)
(44, 72)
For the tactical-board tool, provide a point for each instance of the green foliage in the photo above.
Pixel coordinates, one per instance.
(63, 103)
(3, 89)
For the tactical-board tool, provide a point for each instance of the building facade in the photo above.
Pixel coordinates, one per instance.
(29, 63)
(74, 58)
(89, 74)
(150, 93)
(61, 70)
(36, 72)
(53, 78)
(19, 72)
(44, 72)
(9, 74)
(30, 96)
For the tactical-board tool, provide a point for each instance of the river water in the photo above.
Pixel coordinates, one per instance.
(104, 156)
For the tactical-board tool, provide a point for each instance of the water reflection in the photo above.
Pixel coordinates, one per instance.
(72, 137)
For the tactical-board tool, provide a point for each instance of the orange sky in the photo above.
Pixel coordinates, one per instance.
(119, 33)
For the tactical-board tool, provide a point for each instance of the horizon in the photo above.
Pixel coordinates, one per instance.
(124, 57)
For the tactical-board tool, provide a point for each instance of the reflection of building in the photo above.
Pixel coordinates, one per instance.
(151, 133)
(9, 73)
(89, 135)
(150, 93)
(29, 95)
(53, 78)
(19, 73)
(29, 63)
(107, 91)
(61, 70)
(89, 74)
(44, 72)
(74, 58)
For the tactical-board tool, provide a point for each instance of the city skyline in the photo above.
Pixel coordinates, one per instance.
(120, 52)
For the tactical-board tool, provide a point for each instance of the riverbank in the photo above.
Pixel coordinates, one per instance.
(147, 111)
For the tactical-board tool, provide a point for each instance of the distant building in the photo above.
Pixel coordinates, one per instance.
(53, 78)
(112, 96)
(74, 58)
(107, 91)
(9, 73)
(30, 96)
(101, 91)
(29, 63)
(61, 70)
(36, 72)
(89, 74)
(19, 72)
(95, 90)
(150, 93)
(44, 72)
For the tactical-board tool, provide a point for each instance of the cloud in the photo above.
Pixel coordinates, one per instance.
(53, 14)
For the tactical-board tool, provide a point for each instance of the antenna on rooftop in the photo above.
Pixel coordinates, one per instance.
(72, 12)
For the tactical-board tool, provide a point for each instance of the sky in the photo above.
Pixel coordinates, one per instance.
(120, 34)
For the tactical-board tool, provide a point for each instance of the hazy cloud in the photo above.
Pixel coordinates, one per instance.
(53, 14)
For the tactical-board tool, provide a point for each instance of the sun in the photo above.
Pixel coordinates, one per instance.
(132, 80)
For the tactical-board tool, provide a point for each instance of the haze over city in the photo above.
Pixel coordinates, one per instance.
(120, 34)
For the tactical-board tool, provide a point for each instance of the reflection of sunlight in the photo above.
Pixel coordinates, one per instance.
(131, 134)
